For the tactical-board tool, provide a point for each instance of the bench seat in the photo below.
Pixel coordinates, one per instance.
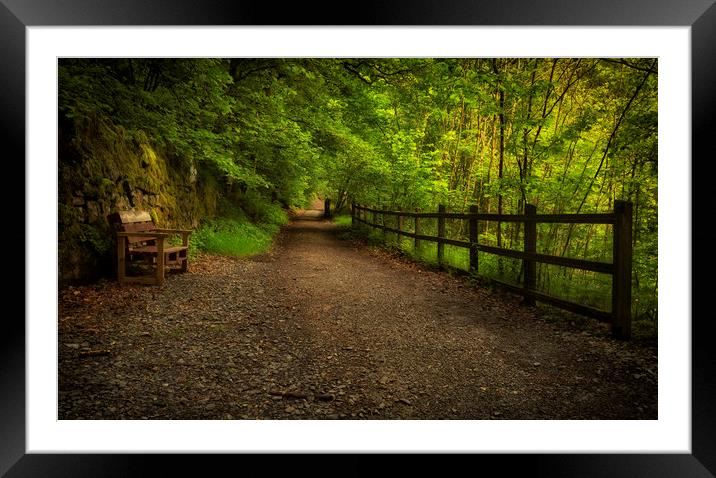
(138, 237)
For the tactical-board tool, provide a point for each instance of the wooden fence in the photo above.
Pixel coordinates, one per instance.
(619, 268)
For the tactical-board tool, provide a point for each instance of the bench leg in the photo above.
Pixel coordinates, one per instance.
(121, 261)
(160, 262)
(185, 243)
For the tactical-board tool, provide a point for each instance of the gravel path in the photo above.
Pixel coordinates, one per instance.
(324, 328)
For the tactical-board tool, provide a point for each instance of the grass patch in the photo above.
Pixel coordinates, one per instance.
(235, 234)
(457, 257)
(342, 220)
(232, 237)
(583, 287)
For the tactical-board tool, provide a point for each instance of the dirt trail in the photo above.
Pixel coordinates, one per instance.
(322, 328)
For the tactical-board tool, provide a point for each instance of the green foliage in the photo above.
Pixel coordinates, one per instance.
(568, 135)
(239, 231)
(231, 237)
(342, 220)
(261, 210)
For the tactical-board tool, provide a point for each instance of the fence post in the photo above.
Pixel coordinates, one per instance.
(382, 222)
(353, 215)
(621, 282)
(473, 240)
(374, 220)
(441, 233)
(327, 208)
(400, 230)
(530, 269)
(417, 231)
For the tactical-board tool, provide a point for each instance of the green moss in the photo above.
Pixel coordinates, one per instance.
(97, 238)
(68, 215)
(106, 159)
(149, 156)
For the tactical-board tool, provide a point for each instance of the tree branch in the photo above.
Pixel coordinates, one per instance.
(357, 73)
(631, 65)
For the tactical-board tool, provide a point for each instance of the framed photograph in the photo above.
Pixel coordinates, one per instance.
(681, 36)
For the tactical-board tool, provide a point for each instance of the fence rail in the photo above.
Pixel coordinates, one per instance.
(619, 268)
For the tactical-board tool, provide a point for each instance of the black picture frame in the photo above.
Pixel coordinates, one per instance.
(700, 15)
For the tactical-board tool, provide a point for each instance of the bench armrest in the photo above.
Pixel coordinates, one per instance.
(142, 234)
(185, 233)
(178, 231)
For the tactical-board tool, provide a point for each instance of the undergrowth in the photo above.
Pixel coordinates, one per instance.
(239, 231)
(342, 220)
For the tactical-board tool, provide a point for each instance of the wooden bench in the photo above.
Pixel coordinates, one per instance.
(139, 239)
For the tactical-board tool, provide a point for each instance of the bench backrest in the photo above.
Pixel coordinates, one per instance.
(133, 221)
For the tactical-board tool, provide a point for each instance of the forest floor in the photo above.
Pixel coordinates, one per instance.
(324, 328)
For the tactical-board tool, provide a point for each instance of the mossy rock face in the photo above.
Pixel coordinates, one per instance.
(103, 169)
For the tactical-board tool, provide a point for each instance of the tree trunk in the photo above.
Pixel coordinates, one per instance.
(501, 119)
